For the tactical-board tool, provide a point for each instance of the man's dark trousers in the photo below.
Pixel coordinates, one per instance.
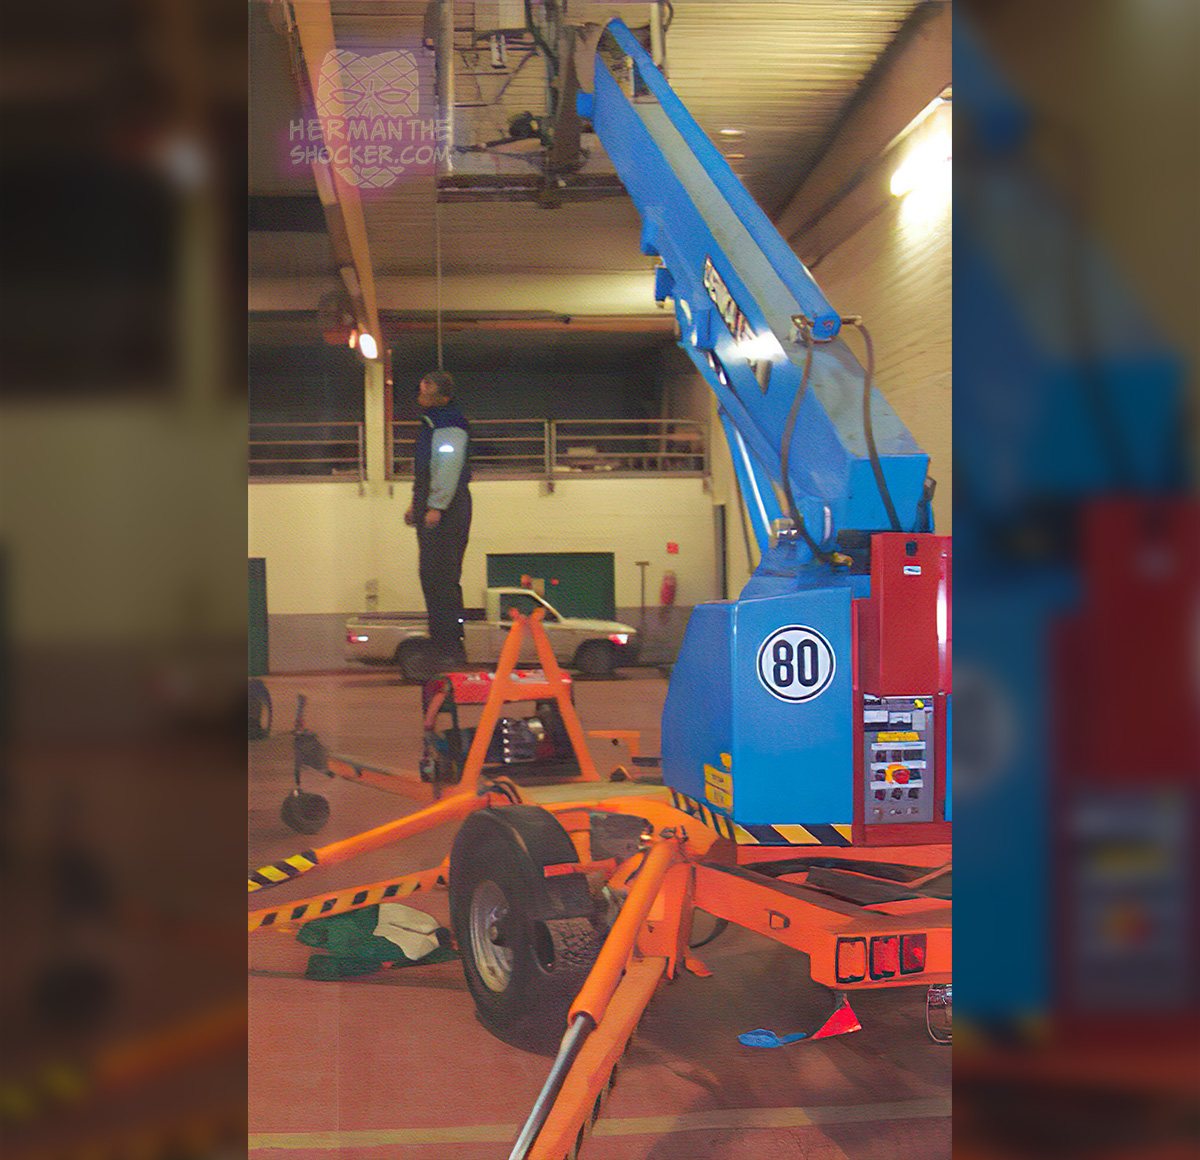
(440, 567)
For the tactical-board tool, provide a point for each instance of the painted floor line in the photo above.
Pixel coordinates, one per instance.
(719, 1118)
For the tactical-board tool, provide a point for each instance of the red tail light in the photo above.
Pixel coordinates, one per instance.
(912, 954)
(885, 956)
(851, 962)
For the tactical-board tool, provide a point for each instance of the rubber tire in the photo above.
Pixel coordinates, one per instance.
(259, 710)
(553, 945)
(595, 659)
(415, 659)
(306, 813)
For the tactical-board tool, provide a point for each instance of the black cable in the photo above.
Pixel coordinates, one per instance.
(868, 430)
(785, 452)
(1079, 321)
(722, 923)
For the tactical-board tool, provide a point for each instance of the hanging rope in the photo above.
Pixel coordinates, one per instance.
(437, 249)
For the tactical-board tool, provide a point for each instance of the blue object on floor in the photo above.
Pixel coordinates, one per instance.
(764, 1038)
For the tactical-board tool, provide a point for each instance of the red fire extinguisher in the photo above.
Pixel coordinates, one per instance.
(666, 595)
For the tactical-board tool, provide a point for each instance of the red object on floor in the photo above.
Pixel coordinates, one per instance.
(840, 1022)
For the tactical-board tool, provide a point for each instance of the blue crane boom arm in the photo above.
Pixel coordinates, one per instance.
(751, 316)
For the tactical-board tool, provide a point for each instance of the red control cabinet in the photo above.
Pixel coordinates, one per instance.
(902, 679)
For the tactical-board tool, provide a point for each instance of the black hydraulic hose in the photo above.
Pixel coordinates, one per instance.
(785, 451)
(868, 429)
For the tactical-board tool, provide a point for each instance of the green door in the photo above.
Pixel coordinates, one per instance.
(576, 583)
(257, 652)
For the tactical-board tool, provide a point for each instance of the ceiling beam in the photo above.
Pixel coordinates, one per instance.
(314, 22)
(626, 293)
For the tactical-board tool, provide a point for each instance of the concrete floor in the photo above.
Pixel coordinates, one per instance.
(395, 1063)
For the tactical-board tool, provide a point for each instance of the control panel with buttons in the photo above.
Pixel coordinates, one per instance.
(898, 759)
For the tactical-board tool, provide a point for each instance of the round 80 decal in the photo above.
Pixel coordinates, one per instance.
(796, 663)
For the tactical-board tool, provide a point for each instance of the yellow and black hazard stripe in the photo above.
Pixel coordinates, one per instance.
(353, 899)
(724, 826)
(279, 872)
(808, 834)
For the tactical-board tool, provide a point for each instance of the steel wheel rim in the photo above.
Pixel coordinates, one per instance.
(493, 960)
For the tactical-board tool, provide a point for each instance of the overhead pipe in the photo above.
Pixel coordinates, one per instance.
(445, 78)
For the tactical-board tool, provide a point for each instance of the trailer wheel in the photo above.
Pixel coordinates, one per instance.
(415, 659)
(595, 659)
(527, 942)
(306, 813)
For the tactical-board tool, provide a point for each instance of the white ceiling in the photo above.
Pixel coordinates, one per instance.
(784, 74)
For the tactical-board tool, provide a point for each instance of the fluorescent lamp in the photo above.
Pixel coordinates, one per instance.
(928, 163)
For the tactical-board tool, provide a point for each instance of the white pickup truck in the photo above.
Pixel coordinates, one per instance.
(592, 647)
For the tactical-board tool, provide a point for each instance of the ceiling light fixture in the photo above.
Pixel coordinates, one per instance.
(927, 163)
(732, 132)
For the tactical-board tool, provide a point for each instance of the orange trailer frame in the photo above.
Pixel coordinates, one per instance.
(682, 865)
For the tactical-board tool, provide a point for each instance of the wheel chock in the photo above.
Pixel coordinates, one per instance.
(842, 1020)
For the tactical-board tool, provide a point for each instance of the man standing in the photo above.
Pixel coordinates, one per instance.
(441, 511)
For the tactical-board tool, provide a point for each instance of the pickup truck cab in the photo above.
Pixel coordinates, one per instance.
(591, 647)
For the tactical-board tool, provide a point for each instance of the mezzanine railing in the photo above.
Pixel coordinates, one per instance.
(572, 448)
(307, 451)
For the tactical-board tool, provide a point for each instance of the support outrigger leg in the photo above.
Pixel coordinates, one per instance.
(601, 1021)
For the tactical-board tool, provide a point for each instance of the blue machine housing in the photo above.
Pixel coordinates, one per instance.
(730, 743)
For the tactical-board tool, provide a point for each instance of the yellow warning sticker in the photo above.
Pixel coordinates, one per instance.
(894, 737)
(718, 787)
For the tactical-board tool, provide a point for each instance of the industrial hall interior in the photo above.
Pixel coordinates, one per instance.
(630, 837)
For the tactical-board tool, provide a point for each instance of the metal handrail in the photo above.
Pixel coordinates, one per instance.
(337, 452)
(578, 448)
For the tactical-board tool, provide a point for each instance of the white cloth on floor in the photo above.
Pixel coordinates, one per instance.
(413, 931)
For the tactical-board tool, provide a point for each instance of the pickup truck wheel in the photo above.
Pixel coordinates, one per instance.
(595, 659)
(527, 942)
(415, 659)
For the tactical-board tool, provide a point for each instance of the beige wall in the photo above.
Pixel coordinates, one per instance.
(323, 542)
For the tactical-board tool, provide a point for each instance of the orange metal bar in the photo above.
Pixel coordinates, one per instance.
(594, 1072)
(304, 910)
(451, 810)
(554, 678)
(438, 814)
(668, 924)
(609, 864)
(378, 778)
(661, 815)
(593, 998)
(509, 654)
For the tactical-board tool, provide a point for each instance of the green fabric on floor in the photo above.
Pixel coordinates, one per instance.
(353, 948)
(326, 967)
